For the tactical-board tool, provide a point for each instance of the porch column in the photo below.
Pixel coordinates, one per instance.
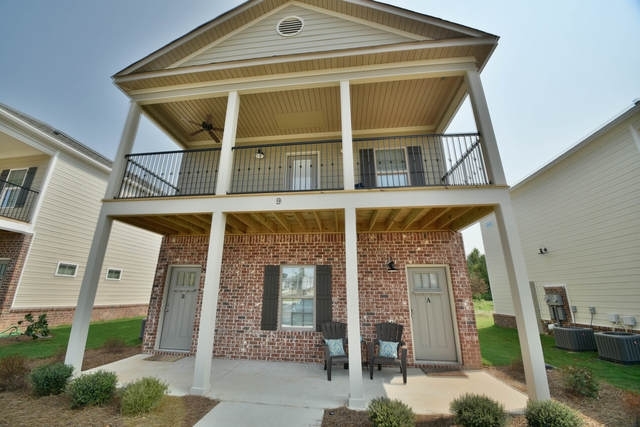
(204, 351)
(87, 295)
(528, 334)
(348, 178)
(126, 146)
(485, 127)
(356, 392)
(225, 168)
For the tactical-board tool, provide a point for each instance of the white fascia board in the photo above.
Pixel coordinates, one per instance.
(437, 68)
(312, 201)
(16, 226)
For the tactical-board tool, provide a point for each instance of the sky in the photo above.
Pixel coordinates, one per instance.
(561, 70)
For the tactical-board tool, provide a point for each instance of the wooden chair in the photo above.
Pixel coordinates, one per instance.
(334, 333)
(388, 348)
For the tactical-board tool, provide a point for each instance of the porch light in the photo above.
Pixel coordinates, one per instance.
(543, 251)
(259, 153)
(391, 266)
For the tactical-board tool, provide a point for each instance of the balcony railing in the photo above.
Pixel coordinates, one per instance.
(16, 201)
(402, 161)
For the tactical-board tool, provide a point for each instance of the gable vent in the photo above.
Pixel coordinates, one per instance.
(290, 26)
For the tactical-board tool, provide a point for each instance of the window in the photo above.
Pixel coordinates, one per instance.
(66, 269)
(391, 168)
(11, 192)
(114, 274)
(297, 296)
(4, 265)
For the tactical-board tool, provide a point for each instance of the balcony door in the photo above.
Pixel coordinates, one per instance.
(302, 171)
(12, 188)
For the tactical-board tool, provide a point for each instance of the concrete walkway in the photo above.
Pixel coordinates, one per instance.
(266, 393)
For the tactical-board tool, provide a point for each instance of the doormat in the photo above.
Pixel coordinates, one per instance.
(443, 371)
(166, 357)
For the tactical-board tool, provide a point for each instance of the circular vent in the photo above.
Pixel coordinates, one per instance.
(290, 26)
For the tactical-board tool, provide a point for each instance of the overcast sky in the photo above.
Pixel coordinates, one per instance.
(562, 67)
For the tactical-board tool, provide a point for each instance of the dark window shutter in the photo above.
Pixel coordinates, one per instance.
(270, 298)
(24, 193)
(416, 167)
(323, 295)
(367, 168)
(3, 177)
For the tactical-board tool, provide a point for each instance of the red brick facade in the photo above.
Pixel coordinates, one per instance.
(383, 295)
(15, 247)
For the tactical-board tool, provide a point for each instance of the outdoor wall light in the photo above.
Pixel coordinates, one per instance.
(542, 251)
(259, 153)
(391, 266)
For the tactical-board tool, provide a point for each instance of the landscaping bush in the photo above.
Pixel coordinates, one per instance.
(474, 410)
(50, 379)
(384, 412)
(92, 389)
(13, 373)
(550, 413)
(580, 381)
(36, 328)
(114, 345)
(142, 396)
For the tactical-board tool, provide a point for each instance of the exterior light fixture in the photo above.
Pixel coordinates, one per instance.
(391, 265)
(542, 251)
(259, 153)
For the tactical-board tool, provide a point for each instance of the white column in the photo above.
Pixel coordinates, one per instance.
(204, 351)
(485, 127)
(356, 392)
(87, 295)
(528, 334)
(225, 167)
(347, 136)
(126, 146)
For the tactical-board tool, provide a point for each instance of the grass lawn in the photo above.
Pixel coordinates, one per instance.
(127, 330)
(500, 346)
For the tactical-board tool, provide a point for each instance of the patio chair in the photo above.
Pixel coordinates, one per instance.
(388, 348)
(335, 345)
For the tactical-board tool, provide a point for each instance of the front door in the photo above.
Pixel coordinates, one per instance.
(302, 172)
(179, 309)
(433, 334)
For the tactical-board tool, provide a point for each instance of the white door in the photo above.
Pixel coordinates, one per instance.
(303, 172)
(433, 333)
(179, 309)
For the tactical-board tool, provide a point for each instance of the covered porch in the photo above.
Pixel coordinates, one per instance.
(257, 392)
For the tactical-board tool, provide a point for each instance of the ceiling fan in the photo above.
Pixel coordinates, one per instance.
(207, 126)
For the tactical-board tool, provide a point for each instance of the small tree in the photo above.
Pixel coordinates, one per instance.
(477, 266)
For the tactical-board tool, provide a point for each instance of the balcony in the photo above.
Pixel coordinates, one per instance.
(433, 160)
(16, 201)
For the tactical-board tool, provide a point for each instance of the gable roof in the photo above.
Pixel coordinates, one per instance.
(375, 13)
(55, 134)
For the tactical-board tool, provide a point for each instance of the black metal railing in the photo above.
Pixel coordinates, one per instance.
(399, 161)
(16, 201)
(274, 168)
(173, 173)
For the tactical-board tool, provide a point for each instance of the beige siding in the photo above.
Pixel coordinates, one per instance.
(64, 231)
(500, 291)
(585, 210)
(321, 32)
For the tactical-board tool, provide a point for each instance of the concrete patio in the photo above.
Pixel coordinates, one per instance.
(259, 393)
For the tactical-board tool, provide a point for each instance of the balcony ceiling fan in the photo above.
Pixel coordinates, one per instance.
(207, 126)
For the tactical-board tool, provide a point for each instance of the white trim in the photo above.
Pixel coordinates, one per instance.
(66, 263)
(44, 187)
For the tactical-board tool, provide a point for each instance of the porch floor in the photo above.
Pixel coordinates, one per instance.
(259, 392)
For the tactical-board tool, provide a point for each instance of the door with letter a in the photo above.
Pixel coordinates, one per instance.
(432, 322)
(179, 309)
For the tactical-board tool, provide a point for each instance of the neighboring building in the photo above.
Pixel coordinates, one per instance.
(51, 188)
(314, 155)
(579, 224)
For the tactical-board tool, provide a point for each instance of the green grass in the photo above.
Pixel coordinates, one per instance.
(99, 332)
(500, 347)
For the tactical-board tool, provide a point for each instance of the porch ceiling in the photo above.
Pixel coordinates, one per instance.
(326, 221)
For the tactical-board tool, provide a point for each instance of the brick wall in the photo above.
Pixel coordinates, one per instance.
(15, 247)
(383, 295)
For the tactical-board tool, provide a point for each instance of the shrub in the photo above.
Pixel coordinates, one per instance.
(50, 379)
(580, 381)
(36, 328)
(13, 372)
(142, 396)
(384, 412)
(473, 410)
(550, 413)
(97, 388)
(114, 345)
